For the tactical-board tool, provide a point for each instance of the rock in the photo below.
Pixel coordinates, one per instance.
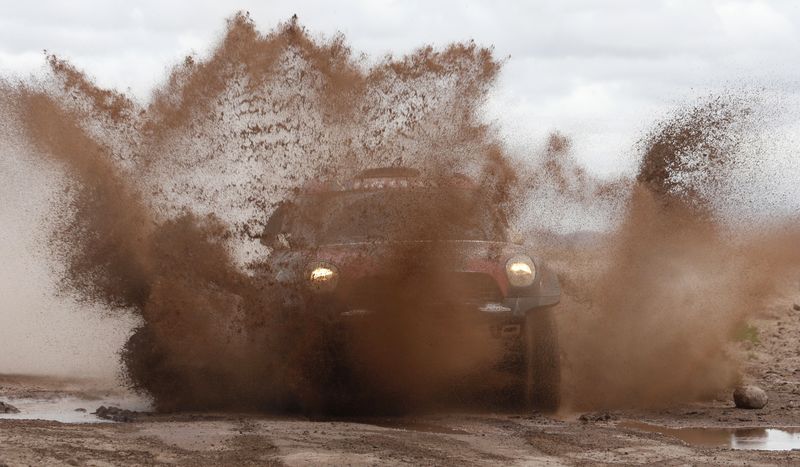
(115, 414)
(597, 417)
(7, 408)
(796, 307)
(80, 409)
(750, 397)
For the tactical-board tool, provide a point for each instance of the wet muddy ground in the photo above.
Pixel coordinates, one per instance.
(709, 432)
(475, 438)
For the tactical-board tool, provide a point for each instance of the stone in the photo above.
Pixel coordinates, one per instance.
(7, 408)
(796, 307)
(597, 417)
(115, 414)
(750, 397)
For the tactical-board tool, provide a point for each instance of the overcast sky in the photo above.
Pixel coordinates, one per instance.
(600, 71)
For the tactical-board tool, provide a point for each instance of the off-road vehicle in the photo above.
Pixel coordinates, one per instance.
(378, 239)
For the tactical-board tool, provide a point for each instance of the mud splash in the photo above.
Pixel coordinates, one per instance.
(166, 201)
(670, 287)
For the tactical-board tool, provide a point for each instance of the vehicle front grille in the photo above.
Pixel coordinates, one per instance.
(477, 287)
(469, 288)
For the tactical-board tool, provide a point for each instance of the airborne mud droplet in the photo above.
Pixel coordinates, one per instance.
(166, 203)
(674, 280)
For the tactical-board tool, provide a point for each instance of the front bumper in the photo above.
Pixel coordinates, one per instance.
(514, 307)
(521, 305)
(336, 304)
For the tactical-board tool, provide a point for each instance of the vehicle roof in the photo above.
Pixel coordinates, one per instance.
(383, 178)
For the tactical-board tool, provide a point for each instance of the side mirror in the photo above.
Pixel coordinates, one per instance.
(273, 235)
(515, 237)
(282, 242)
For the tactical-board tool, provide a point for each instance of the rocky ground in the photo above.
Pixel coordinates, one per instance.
(624, 437)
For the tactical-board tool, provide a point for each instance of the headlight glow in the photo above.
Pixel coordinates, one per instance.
(520, 271)
(322, 273)
(322, 276)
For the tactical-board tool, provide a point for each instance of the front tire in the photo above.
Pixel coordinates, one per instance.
(542, 362)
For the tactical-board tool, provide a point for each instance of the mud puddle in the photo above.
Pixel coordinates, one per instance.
(411, 425)
(405, 424)
(751, 438)
(69, 409)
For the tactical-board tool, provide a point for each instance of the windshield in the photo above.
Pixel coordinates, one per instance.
(391, 215)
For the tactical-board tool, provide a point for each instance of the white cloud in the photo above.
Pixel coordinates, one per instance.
(750, 23)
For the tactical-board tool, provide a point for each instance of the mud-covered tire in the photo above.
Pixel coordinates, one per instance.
(542, 362)
(146, 370)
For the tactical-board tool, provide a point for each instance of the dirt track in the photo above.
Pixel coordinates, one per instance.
(450, 439)
(456, 438)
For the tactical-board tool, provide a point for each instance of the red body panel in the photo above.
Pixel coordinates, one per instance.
(359, 260)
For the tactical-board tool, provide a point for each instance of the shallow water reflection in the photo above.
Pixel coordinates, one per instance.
(70, 409)
(760, 438)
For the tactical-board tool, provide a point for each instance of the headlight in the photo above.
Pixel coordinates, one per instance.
(322, 276)
(520, 271)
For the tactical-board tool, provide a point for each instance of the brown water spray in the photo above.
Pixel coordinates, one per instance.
(167, 198)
